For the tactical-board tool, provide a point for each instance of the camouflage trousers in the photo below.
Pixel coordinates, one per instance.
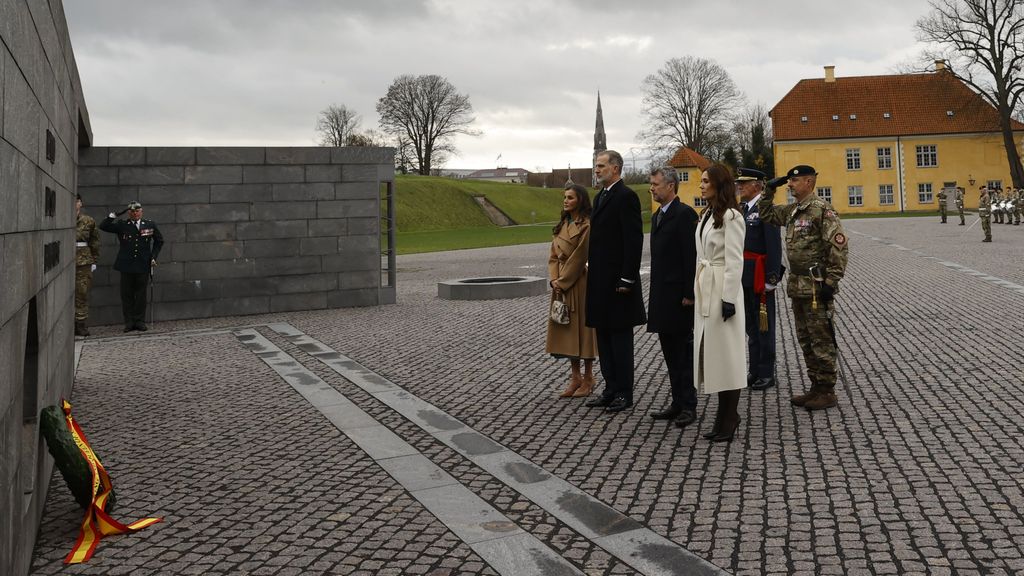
(986, 226)
(942, 211)
(815, 337)
(83, 282)
(961, 212)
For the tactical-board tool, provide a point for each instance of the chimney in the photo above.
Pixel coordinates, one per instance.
(830, 73)
(940, 65)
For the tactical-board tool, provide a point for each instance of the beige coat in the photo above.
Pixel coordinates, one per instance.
(567, 268)
(721, 364)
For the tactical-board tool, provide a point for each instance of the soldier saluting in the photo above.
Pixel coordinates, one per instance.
(817, 248)
(140, 242)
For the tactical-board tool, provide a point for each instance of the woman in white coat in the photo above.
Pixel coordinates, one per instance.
(718, 329)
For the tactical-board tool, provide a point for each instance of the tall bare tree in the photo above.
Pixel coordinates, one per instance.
(690, 102)
(428, 112)
(982, 42)
(336, 124)
(752, 136)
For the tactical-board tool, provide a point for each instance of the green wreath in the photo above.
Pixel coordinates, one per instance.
(72, 465)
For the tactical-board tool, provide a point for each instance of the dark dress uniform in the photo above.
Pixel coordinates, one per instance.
(762, 248)
(140, 244)
(673, 262)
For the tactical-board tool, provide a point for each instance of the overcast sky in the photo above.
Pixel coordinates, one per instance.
(257, 72)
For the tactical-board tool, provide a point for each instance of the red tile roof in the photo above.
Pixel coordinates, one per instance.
(687, 158)
(917, 104)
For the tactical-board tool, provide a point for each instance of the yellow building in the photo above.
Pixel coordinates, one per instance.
(689, 164)
(890, 143)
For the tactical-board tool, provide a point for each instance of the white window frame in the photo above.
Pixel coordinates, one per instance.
(886, 191)
(994, 184)
(927, 155)
(699, 202)
(884, 159)
(925, 194)
(825, 193)
(852, 159)
(855, 195)
(684, 176)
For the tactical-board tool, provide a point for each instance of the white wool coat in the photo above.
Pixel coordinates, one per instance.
(719, 346)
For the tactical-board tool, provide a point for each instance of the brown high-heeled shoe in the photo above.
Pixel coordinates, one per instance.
(575, 382)
(586, 388)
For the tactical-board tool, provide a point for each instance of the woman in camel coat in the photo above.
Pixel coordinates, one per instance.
(567, 274)
(719, 338)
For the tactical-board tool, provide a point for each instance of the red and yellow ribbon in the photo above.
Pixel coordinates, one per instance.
(97, 523)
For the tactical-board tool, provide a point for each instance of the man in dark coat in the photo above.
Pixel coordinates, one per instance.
(614, 300)
(140, 242)
(670, 306)
(762, 271)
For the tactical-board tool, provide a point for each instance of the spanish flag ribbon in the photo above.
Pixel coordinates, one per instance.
(97, 523)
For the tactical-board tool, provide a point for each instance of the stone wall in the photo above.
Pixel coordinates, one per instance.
(43, 121)
(246, 230)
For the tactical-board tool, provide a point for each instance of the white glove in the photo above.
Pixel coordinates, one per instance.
(769, 287)
(93, 268)
(112, 215)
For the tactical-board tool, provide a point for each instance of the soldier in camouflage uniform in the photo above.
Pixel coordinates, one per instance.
(985, 213)
(995, 197)
(1018, 199)
(817, 248)
(87, 253)
(959, 199)
(941, 197)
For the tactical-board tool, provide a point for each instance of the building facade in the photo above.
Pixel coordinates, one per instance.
(890, 143)
(689, 164)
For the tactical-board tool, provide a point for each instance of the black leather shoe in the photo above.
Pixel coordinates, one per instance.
(141, 326)
(686, 417)
(599, 402)
(128, 327)
(670, 413)
(618, 405)
(763, 383)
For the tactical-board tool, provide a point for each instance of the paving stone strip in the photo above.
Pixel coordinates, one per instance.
(620, 535)
(500, 542)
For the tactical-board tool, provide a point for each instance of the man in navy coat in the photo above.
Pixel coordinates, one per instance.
(762, 271)
(614, 300)
(140, 242)
(670, 306)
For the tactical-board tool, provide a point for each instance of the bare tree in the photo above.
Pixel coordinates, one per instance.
(428, 112)
(336, 124)
(752, 136)
(982, 42)
(689, 102)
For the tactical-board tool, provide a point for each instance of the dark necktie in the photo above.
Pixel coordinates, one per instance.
(746, 208)
(599, 199)
(657, 219)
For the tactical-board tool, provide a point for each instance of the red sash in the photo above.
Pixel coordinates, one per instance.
(758, 269)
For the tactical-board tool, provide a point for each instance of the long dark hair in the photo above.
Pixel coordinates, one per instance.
(725, 192)
(583, 208)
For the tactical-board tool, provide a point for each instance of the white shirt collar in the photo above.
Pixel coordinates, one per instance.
(754, 202)
(609, 187)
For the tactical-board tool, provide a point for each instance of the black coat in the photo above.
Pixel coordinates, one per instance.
(139, 246)
(673, 264)
(762, 238)
(616, 245)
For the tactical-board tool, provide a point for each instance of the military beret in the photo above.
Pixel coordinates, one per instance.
(801, 170)
(134, 205)
(749, 174)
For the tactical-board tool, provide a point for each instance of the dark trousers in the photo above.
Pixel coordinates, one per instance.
(615, 348)
(133, 297)
(678, 352)
(760, 345)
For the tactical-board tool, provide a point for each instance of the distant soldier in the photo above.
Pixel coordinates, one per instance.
(1018, 200)
(87, 253)
(996, 199)
(818, 250)
(140, 242)
(942, 197)
(959, 199)
(985, 212)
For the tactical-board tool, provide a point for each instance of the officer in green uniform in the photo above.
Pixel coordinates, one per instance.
(140, 242)
(959, 199)
(87, 253)
(985, 213)
(996, 198)
(942, 197)
(818, 249)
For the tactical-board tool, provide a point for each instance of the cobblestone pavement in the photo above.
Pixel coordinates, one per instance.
(916, 472)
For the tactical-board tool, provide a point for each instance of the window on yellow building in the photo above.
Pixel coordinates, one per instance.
(924, 193)
(686, 176)
(856, 195)
(884, 158)
(885, 195)
(993, 184)
(927, 156)
(699, 202)
(825, 193)
(853, 158)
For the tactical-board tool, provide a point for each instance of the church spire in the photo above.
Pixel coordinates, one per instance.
(600, 140)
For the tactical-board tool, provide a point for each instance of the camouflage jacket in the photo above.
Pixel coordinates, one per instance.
(87, 234)
(941, 197)
(958, 197)
(984, 205)
(814, 236)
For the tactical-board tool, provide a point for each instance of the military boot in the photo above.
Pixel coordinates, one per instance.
(80, 329)
(826, 398)
(802, 399)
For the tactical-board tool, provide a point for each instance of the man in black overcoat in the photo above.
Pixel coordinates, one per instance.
(140, 243)
(762, 271)
(614, 301)
(670, 306)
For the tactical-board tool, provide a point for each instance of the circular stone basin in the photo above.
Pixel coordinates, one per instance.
(493, 288)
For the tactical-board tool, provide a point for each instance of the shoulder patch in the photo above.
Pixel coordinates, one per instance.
(839, 239)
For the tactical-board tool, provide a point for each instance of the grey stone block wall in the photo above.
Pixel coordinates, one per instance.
(246, 230)
(40, 93)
